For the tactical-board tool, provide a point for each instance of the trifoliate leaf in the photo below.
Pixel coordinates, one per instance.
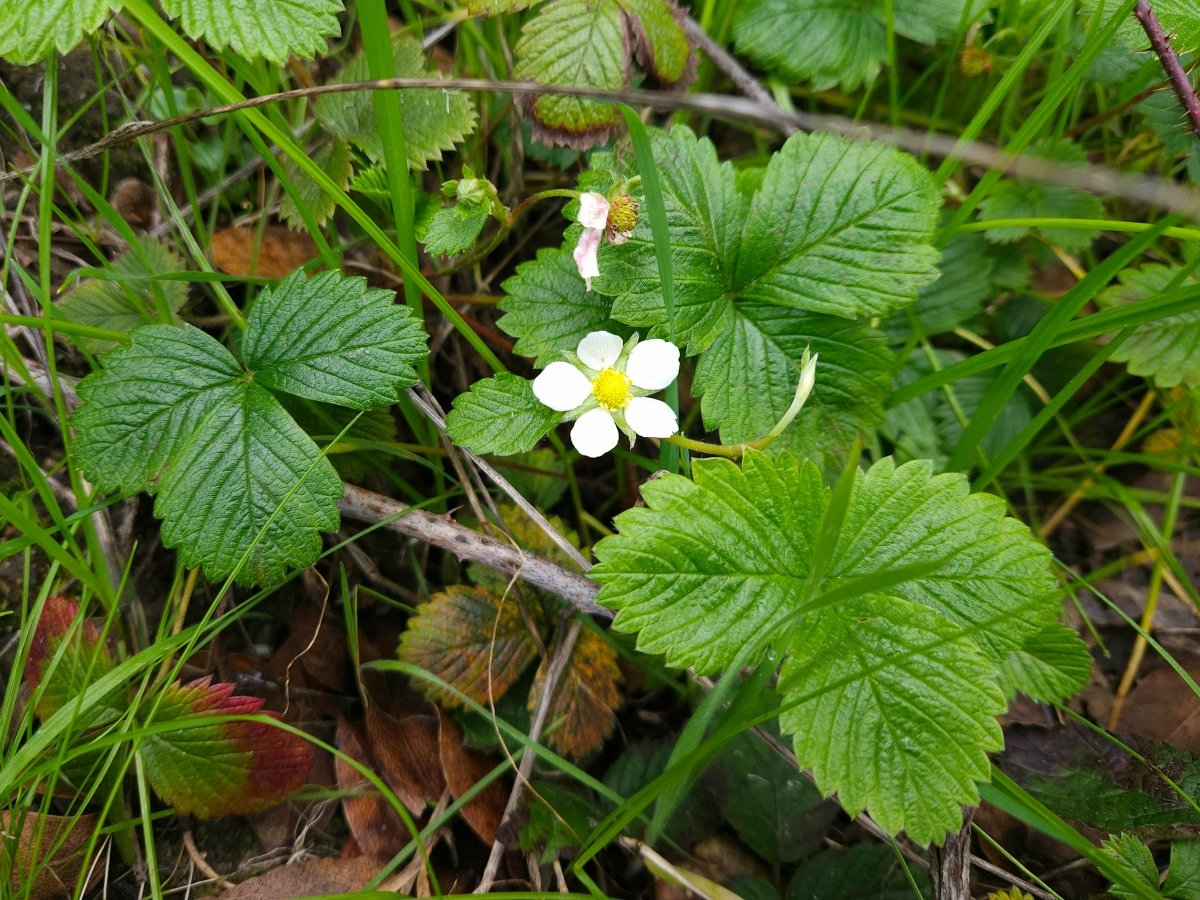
(333, 339)
(66, 655)
(247, 469)
(1018, 199)
(471, 638)
(893, 707)
(454, 229)
(334, 161)
(1164, 349)
(220, 769)
(892, 688)
(1052, 665)
(434, 120)
(834, 43)
(273, 31)
(548, 308)
(142, 408)
(748, 376)
(128, 298)
(581, 712)
(590, 43)
(500, 415)
(1135, 858)
(30, 31)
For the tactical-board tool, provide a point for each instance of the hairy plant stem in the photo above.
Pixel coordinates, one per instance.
(1169, 60)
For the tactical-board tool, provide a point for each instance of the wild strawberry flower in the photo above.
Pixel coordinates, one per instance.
(601, 217)
(604, 388)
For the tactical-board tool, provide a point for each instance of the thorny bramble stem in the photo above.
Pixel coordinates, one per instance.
(1170, 62)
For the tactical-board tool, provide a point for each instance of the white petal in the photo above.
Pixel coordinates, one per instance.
(651, 418)
(653, 364)
(585, 255)
(599, 350)
(561, 386)
(593, 210)
(595, 433)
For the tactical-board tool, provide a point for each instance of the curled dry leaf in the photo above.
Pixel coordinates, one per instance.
(374, 825)
(309, 878)
(50, 849)
(273, 253)
(464, 767)
(405, 750)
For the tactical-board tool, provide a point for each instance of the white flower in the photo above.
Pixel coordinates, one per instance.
(604, 387)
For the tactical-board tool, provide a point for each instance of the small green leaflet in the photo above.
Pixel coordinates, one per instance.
(592, 43)
(500, 415)
(1132, 855)
(830, 42)
(434, 120)
(1165, 349)
(220, 768)
(453, 229)
(272, 31)
(908, 622)
(174, 413)
(334, 160)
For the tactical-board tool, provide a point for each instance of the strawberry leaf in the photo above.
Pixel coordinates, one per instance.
(220, 768)
(66, 655)
(587, 695)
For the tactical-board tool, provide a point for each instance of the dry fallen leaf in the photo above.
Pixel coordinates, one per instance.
(405, 750)
(374, 824)
(273, 254)
(50, 849)
(309, 878)
(464, 767)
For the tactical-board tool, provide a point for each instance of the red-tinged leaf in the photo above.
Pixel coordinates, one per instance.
(219, 768)
(67, 655)
(472, 639)
(585, 699)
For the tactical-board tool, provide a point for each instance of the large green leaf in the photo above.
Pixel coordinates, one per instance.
(893, 707)
(592, 43)
(333, 339)
(896, 634)
(250, 29)
(434, 120)
(1164, 349)
(30, 31)
(174, 413)
(832, 42)
(548, 309)
(220, 768)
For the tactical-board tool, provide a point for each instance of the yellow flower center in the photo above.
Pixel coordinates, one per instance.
(623, 214)
(612, 389)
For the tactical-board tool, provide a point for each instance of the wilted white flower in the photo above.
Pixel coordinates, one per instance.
(605, 386)
(601, 217)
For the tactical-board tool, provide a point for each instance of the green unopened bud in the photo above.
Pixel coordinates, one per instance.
(474, 192)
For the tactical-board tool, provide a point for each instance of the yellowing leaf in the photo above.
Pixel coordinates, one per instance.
(585, 699)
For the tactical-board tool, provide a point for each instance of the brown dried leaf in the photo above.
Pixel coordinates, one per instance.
(470, 638)
(273, 254)
(585, 699)
(406, 752)
(374, 824)
(464, 767)
(309, 878)
(50, 851)
(1164, 708)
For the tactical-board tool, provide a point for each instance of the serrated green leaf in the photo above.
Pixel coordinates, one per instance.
(1170, 125)
(334, 161)
(500, 415)
(548, 309)
(333, 339)
(496, 7)
(1052, 665)
(454, 229)
(128, 299)
(1135, 858)
(1165, 348)
(574, 42)
(1017, 199)
(273, 31)
(893, 707)
(858, 872)
(748, 376)
(660, 43)
(832, 43)
(582, 709)
(30, 31)
(1183, 877)
(1177, 17)
(559, 817)
(146, 403)
(472, 639)
(714, 563)
(963, 285)
(220, 769)
(248, 467)
(434, 121)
